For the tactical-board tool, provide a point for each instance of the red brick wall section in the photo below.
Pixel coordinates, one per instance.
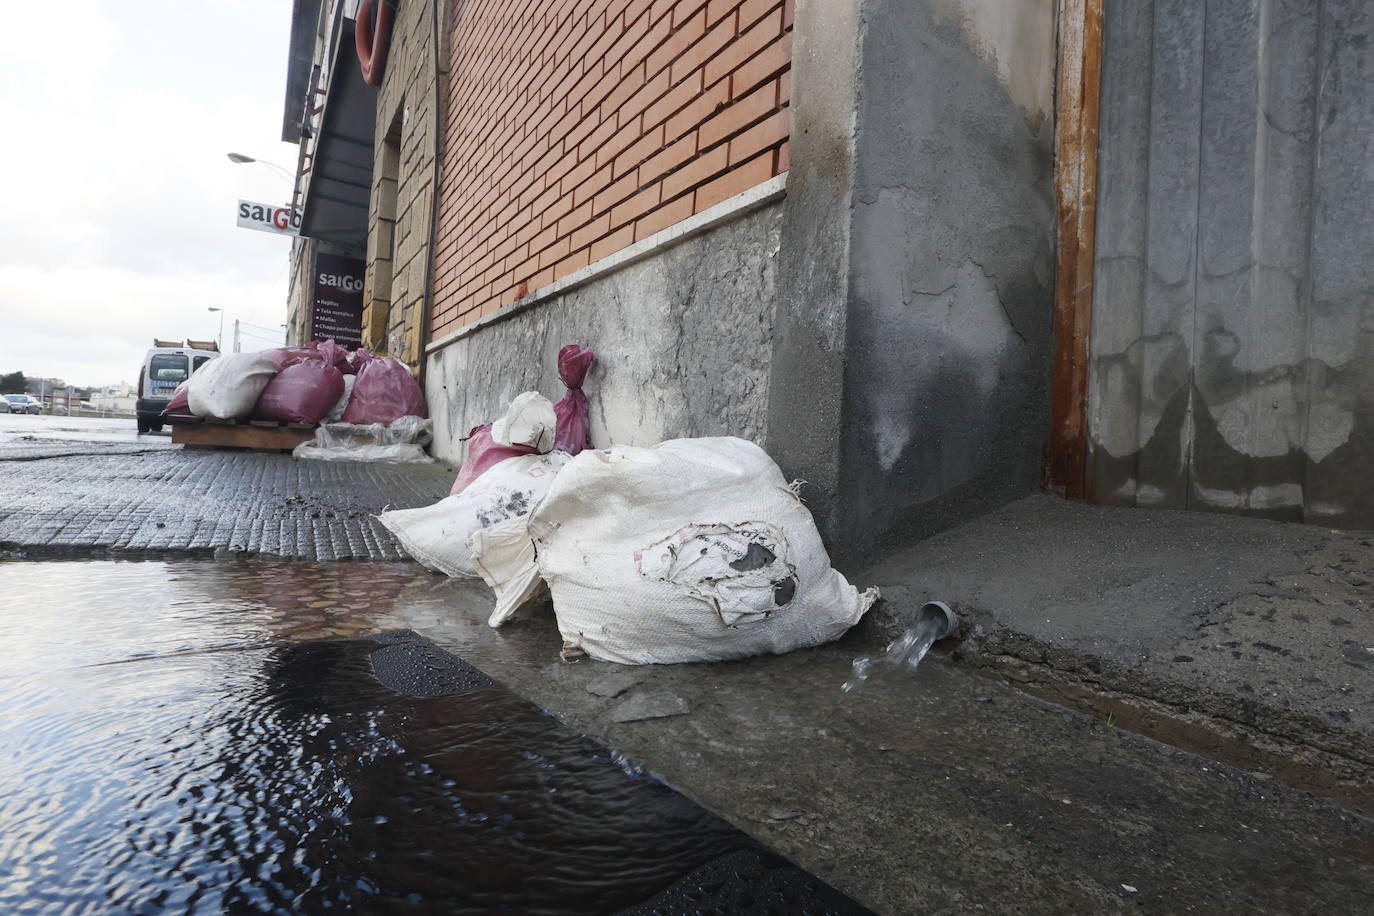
(577, 127)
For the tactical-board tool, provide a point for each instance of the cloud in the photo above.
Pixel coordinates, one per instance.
(120, 226)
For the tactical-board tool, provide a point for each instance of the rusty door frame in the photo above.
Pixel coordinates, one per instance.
(1077, 96)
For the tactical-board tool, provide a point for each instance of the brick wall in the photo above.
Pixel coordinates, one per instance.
(402, 176)
(578, 127)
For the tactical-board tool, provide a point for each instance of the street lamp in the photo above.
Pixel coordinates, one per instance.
(241, 159)
(219, 341)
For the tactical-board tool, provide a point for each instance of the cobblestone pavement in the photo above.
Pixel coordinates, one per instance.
(92, 496)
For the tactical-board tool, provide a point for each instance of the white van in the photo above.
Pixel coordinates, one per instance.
(165, 367)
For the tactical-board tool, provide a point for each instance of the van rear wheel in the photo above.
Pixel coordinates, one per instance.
(143, 425)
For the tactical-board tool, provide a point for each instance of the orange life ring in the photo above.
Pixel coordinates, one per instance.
(372, 46)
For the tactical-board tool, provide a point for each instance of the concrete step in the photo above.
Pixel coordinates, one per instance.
(1246, 640)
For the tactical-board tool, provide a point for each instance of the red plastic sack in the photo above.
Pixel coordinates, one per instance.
(483, 452)
(289, 356)
(384, 392)
(574, 426)
(332, 354)
(301, 393)
(179, 404)
(361, 357)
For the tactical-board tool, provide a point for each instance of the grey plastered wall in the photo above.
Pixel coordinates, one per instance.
(951, 267)
(1233, 318)
(682, 340)
(806, 391)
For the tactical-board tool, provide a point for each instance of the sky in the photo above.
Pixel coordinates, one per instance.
(118, 217)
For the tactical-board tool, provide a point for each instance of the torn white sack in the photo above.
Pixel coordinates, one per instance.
(438, 536)
(695, 550)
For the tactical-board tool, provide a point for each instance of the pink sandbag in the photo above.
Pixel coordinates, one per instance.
(384, 392)
(574, 426)
(334, 355)
(179, 404)
(483, 452)
(301, 393)
(359, 358)
(289, 356)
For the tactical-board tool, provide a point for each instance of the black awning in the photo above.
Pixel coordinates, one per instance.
(336, 189)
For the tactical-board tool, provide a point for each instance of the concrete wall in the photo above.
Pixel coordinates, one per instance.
(402, 181)
(682, 340)
(949, 338)
(1233, 336)
(806, 391)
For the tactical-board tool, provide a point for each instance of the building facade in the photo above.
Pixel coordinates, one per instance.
(932, 254)
(400, 204)
(824, 226)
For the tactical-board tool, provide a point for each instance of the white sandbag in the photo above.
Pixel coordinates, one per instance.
(695, 550)
(227, 388)
(337, 411)
(529, 420)
(504, 557)
(438, 536)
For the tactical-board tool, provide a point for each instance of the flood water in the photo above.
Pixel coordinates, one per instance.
(202, 736)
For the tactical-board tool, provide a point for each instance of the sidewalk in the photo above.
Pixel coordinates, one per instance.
(940, 791)
(56, 496)
(1246, 640)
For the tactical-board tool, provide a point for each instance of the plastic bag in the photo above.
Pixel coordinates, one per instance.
(574, 426)
(337, 411)
(438, 536)
(695, 550)
(361, 357)
(401, 442)
(301, 393)
(228, 387)
(529, 420)
(385, 391)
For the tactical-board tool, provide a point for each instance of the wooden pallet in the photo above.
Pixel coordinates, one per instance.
(260, 435)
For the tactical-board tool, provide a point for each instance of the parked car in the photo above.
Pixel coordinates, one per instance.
(19, 403)
(164, 368)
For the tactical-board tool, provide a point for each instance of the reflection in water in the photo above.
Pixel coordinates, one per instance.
(161, 751)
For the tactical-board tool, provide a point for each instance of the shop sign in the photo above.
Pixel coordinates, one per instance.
(269, 218)
(337, 311)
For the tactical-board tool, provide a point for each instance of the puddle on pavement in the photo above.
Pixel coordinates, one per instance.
(200, 736)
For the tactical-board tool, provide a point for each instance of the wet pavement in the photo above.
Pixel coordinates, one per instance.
(108, 490)
(187, 737)
(30, 437)
(938, 792)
